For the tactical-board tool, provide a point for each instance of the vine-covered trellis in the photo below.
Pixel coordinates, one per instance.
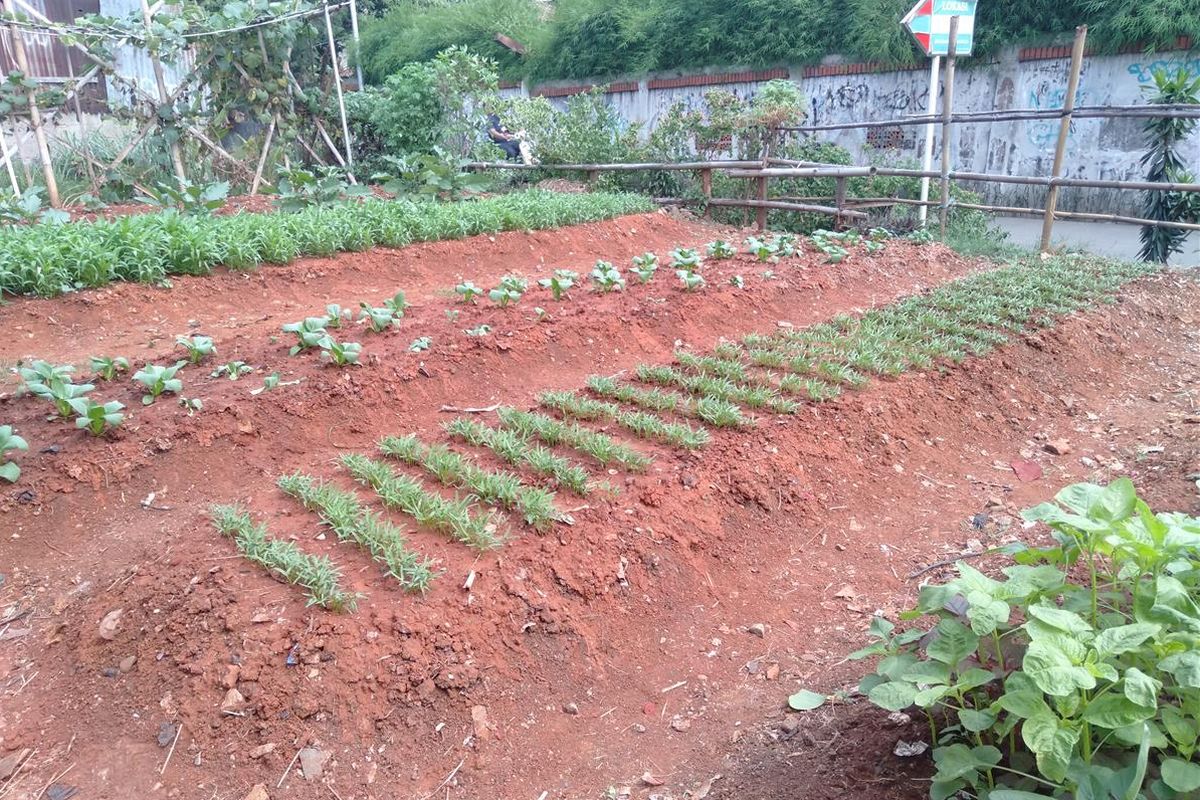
(258, 67)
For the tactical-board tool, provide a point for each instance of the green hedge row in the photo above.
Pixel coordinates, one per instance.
(50, 259)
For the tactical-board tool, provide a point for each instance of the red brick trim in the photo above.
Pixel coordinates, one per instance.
(1064, 50)
(567, 91)
(863, 68)
(510, 84)
(749, 76)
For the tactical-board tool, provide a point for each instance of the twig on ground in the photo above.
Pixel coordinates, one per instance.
(291, 764)
(171, 752)
(447, 780)
(947, 562)
(458, 410)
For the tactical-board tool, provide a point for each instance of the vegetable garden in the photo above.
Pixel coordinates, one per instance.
(380, 497)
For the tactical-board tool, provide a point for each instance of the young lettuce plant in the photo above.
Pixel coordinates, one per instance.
(692, 281)
(158, 379)
(685, 258)
(97, 418)
(340, 353)
(107, 368)
(720, 249)
(468, 291)
(644, 266)
(10, 442)
(335, 315)
(510, 291)
(310, 332)
(607, 277)
(419, 344)
(763, 250)
(233, 370)
(397, 303)
(197, 347)
(559, 283)
(379, 318)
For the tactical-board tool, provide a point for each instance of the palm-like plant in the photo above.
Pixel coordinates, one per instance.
(1164, 164)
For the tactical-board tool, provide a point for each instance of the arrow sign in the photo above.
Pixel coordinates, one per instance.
(929, 23)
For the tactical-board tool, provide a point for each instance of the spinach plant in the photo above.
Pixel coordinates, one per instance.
(644, 266)
(607, 277)
(158, 379)
(379, 318)
(53, 382)
(685, 258)
(763, 250)
(10, 442)
(510, 290)
(310, 332)
(340, 353)
(107, 368)
(197, 347)
(720, 249)
(468, 291)
(232, 370)
(97, 418)
(692, 281)
(559, 283)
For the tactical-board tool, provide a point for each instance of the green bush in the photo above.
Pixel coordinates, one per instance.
(402, 116)
(48, 259)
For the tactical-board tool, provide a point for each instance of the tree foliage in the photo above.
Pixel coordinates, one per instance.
(1165, 163)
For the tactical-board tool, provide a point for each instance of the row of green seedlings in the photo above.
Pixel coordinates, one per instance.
(313, 332)
(317, 575)
(643, 424)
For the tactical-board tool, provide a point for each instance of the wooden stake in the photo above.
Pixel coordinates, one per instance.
(947, 110)
(35, 114)
(839, 200)
(262, 159)
(337, 83)
(1064, 131)
(164, 96)
(706, 187)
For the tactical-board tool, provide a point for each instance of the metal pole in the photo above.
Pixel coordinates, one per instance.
(337, 82)
(935, 68)
(1064, 130)
(947, 110)
(357, 48)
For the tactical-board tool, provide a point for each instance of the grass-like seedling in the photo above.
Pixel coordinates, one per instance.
(97, 418)
(720, 249)
(340, 354)
(640, 423)
(342, 513)
(559, 283)
(755, 396)
(197, 347)
(711, 365)
(317, 575)
(378, 318)
(467, 291)
(451, 517)
(607, 277)
(158, 379)
(10, 442)
(685, 258)
(232, 370)
(107, 368)
(510, 291)
(505, 489)
(598, 446)
(310, 332)
(720, 413)
(519, 451)
(644, 266)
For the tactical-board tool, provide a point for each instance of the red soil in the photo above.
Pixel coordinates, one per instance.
(570, 642)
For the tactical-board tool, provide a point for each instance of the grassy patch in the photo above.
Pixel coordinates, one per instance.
(716, 412)
(519, 451)
(602, 448)
(640, 423)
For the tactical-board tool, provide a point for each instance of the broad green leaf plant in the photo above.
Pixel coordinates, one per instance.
(1073, 673)
(10, 442)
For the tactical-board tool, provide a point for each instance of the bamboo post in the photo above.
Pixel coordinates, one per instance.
(947, 110)
(35, 114)
(706, 188)
(164, 97)
(337, 83)
(1064, 131)
(262, 159)
(839, 200)
(593, 175)
(8, 161)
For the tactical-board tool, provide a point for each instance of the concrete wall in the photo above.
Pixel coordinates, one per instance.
(1025, 78)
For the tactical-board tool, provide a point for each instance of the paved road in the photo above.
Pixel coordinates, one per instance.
(1102, 238)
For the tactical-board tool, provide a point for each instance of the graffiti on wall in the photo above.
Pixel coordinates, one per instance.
(1144, 70)
(859, 96)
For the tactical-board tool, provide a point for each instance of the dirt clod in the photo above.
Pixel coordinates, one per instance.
(758, 629)
(1057, 447)
(263, 750)
(571, 708)
(259, 792)
(312, 763)
(110, 624)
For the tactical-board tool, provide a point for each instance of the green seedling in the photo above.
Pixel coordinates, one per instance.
(10, 442)
(874, 247)
(738, 282)
(158, 379)
(785, 245)
(644, 266)
(419, 344)
(452, 315)
(310, 333)
(107, 368)
(720, 249)
(482, 329)
(335, 315)
(379, 318)
(510, 291)
(559, 283)
(271, 382)
(232, 370)
(468, 291)
(96, 418)
(607, 277)
(197, 347)
(640, 423)
(692, 281)
(685, 258)
(519, 451)
(192, 405)
(60, 392)
(763, 250)
(317, 575)
(604, 449)
(921, 236)
(340, 354)
(397, 304)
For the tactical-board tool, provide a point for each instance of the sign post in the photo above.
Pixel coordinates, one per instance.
(929, 23)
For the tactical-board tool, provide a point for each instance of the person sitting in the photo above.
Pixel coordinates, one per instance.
(498, 132)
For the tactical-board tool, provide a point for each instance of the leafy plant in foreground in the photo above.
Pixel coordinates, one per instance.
(720, 249)
(684, 258)
(107, 368)
(644, 266)
(1075, 675)
(197, 347)
(310, 332)
(379, 318)
(468, 291)
(232, 370)
(10, 442)
(397, 304)
(510, 290)
(158, 379)
(692, 281)
(97, 418)
(340, 354)
(607, 277)
(559, 283)
(316, 574)
(763, 250)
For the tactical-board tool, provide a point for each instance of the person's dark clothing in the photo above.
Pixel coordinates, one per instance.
(511, 147)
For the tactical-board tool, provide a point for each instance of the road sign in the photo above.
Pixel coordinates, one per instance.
(929, 23)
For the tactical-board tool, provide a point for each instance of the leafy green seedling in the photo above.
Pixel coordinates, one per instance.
(737, 281)
(397, 303)
(158, 379)
(785, 245)
(232, 370)
(44, 372)
(480, 330)
(60, 392)
(644, 266)
(879, 234)
(9, 442)
(874, 247)
(559, 283)
(452, 315)
(607, 277)
(510, 290)
(191, 405)
(271, 382)
(685, 258)
(692, 281)
(763, 250)
(95, 417)
(921, 236)
(468, 291)
(106, 368)
(340, 353)
(310, 332)
(422, 343)
(379, 318)
(335, 315)
(720, 249)
(197, 347)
